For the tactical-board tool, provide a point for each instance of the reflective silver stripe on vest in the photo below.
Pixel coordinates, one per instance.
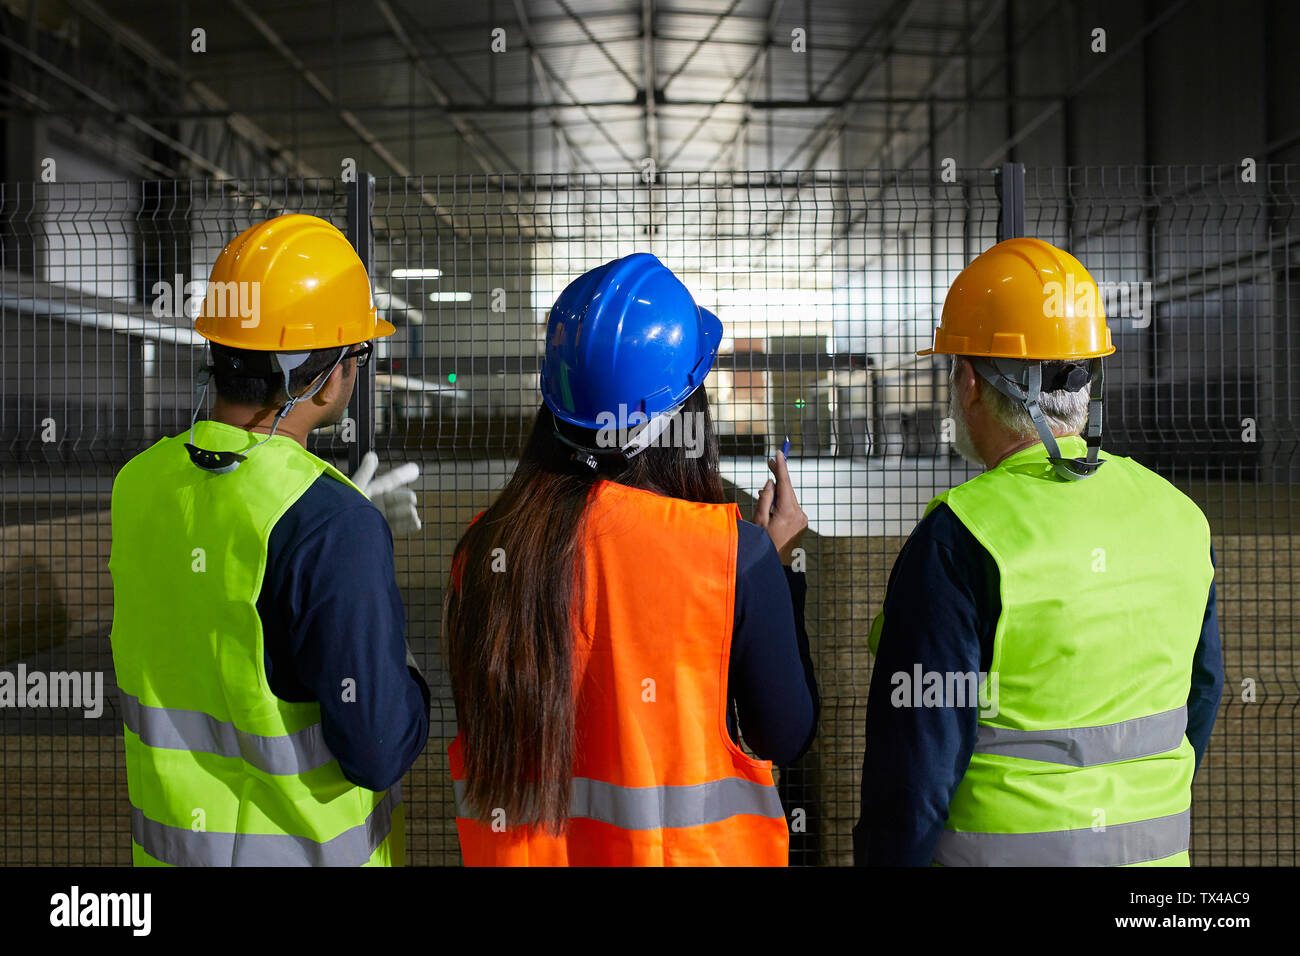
(1089, 746)
(193, 730)
(1116, 845)
(654, 808)
(181, 846)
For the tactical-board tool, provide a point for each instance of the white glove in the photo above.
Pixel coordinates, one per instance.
(389, 493)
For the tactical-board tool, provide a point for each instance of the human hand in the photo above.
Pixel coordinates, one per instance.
(777, 511)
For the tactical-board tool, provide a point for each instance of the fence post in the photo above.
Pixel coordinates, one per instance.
(1011, 192)
(361, 204)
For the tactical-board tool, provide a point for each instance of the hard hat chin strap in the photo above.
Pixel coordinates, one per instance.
(643, 439)
(1023, 381)
(223, 462)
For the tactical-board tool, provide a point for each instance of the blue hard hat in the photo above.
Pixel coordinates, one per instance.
(629, 334)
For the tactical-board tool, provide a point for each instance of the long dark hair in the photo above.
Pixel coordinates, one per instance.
(509, 615)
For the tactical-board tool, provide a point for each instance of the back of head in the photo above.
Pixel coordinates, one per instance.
(1063, 401)
(247, 377)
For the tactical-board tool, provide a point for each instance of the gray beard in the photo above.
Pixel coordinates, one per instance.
(961, 440)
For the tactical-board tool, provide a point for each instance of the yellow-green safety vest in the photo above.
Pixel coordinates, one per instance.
(220, 771)
(1081, 757)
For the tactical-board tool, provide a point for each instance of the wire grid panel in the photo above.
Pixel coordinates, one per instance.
(826, 284)
(1200, 268)
(99, 286)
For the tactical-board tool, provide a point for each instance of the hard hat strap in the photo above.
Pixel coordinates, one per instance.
(642, 440)
(647, 435)
(1095, 412)
(217, 462)
(1026, 388)
(288, 361)
(581, 453)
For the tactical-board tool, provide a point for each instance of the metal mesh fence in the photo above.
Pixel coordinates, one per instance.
(827, 283)
(1201, 264)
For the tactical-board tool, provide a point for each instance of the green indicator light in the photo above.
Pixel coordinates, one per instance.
(451, 377)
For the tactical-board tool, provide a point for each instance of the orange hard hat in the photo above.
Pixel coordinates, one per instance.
(290, 284)
(1023, 299)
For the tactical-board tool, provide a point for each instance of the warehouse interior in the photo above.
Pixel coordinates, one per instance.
(817, 172)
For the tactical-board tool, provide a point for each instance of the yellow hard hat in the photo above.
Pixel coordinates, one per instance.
(290, 284)
(1023, 299)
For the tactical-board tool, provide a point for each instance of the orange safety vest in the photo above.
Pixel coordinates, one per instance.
(657, 779)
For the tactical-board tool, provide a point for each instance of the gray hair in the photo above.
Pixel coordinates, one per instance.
(1066, 412)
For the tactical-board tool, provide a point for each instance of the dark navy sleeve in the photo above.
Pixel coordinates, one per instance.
(334, 631)
(1207, 678)
(770, 676)
(941, 610)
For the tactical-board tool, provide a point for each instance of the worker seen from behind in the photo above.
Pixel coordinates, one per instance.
(613, 625)
(1048, 665)
(271, 705)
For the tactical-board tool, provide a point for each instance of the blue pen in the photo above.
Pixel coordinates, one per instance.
(785, 448)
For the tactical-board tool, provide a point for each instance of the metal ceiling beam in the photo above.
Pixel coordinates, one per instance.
(423, 38)
(951, 60)
(259, 139)
(173, 115)
(1107, 61)
(305, 73)
(468, 133)
(816, 143)
(340, 137)
(113, 110)
(956, 114)
(349, 119)
(699, 44)
(773, 14)
(772, 230)
(264, 68)
(648, 74)
(146, 165)
(543, 71)
(475, 140)
(863, 45)
(991, 14)
(598, 44)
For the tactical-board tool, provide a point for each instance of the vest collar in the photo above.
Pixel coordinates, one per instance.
(222, 437)
(1072, 446)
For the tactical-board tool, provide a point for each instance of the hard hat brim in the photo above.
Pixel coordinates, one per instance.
(712, 332)
(949, 344)
(712, 335)
(203, 326)
(1026, 358)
